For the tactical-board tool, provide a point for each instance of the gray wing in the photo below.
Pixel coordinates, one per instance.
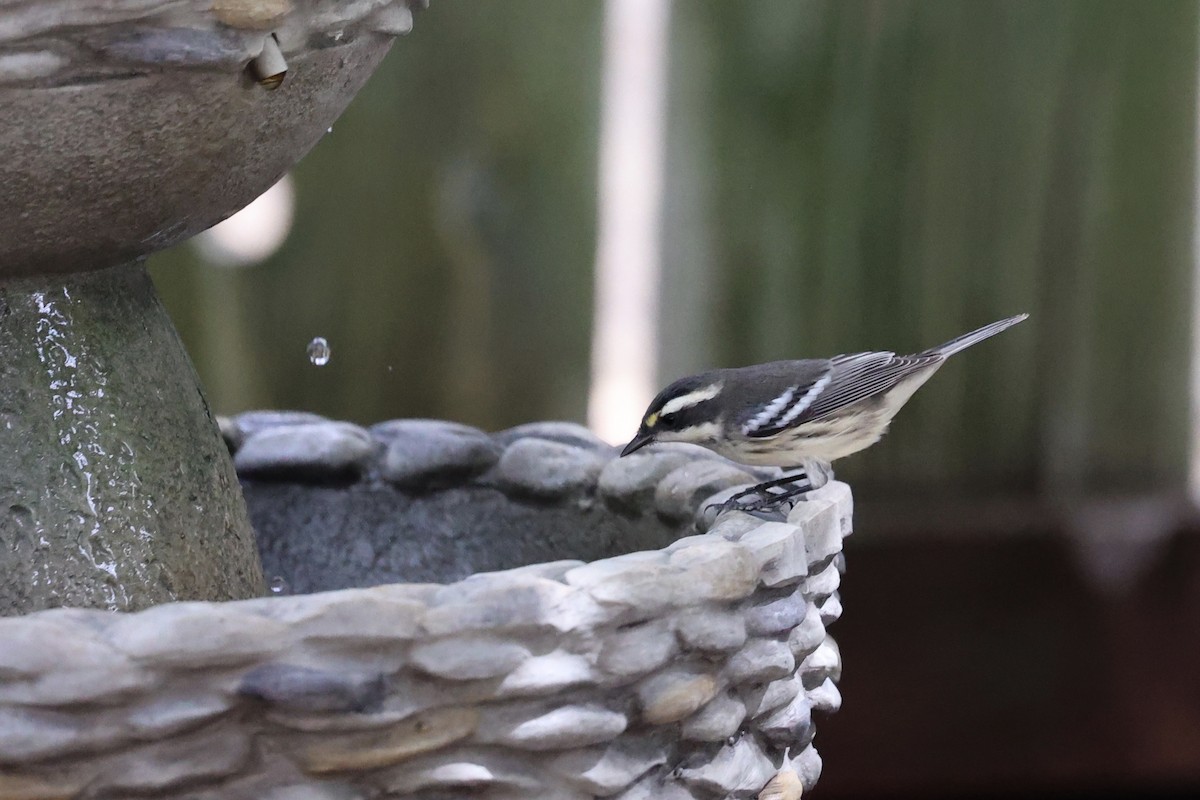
(847, 380)
(791, 385)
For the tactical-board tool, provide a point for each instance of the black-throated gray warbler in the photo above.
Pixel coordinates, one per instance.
(795, 414)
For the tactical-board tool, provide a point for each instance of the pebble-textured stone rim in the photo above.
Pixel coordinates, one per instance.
(543, 461)
(679, 673)
(55, 42)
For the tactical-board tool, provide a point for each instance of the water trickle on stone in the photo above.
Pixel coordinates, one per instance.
(318, 352)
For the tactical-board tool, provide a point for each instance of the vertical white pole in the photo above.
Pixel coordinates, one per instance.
(629, 235)
(1194, 455)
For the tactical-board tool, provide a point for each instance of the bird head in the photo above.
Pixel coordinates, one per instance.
(685, 411)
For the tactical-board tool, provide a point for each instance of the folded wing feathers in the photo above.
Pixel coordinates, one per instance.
(855, 377)
(770, 411)
(864, 375)
(851, 378)
(780, 412)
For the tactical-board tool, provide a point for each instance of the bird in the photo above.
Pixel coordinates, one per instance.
(800, 414)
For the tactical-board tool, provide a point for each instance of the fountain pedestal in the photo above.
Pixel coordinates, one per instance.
(118, 491)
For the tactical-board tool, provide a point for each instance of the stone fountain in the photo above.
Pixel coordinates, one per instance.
(128, 127)
(509, 615)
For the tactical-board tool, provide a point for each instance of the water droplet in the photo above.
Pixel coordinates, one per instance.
(279, 585)
(318, 352)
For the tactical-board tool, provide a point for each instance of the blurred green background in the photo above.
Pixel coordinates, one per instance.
(841, 175)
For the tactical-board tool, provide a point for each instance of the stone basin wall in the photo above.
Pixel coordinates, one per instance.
(685, 671)
(336, 505)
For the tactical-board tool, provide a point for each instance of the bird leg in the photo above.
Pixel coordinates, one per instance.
(762, 491)
(794, 487)
(763, 499)
(819, 472)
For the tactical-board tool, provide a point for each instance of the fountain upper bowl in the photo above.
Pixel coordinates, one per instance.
(128, 130)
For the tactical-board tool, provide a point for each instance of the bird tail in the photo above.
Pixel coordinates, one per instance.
(974, 337)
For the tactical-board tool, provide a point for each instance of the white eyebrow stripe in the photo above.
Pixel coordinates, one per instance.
(690, 399)
(805, 401)
(770, 410)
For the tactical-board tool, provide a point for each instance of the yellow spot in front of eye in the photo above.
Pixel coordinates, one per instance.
(651, 420)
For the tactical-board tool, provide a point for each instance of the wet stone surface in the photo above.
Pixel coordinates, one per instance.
(618, 652)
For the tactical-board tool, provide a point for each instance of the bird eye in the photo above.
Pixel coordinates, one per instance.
(651, 420)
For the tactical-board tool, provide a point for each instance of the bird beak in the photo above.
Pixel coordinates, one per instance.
(639, 441)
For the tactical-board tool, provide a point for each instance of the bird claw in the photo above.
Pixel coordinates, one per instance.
(761, 501)
(770, 511)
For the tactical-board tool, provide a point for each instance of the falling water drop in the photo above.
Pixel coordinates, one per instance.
(279, 585)
(318, 351)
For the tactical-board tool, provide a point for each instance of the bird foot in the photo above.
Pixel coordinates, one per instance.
(768, 500)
